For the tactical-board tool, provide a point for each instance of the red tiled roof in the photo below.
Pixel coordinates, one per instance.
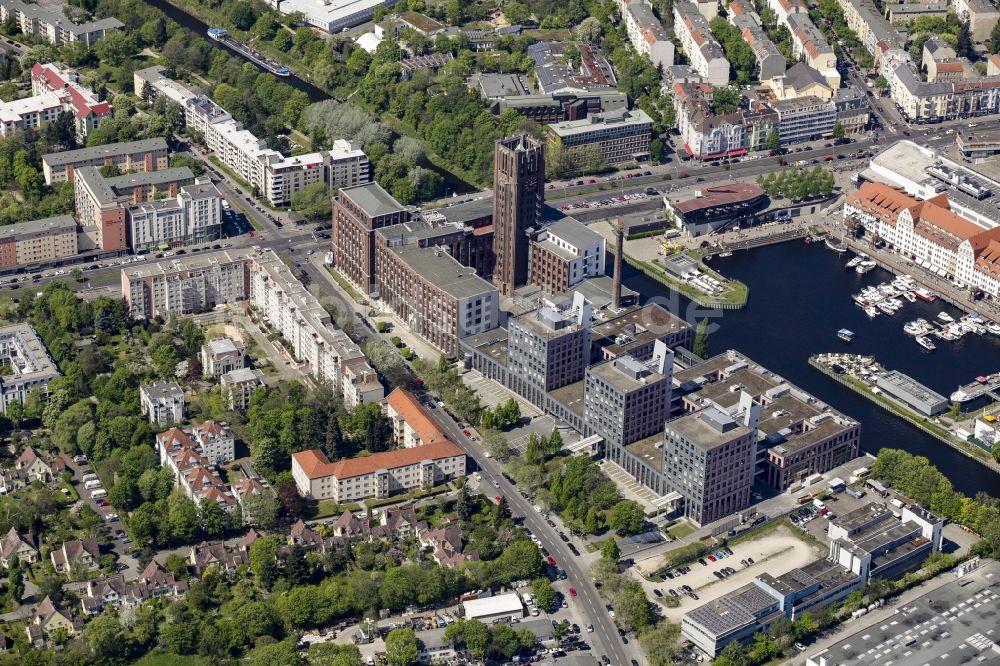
(316, 465)
(416, 416)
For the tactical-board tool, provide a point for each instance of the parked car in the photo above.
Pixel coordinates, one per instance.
(572, 592)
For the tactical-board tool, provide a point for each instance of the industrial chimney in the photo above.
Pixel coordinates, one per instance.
(616, 286)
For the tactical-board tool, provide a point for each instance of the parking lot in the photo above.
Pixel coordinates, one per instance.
(777, 550)
(957, 623)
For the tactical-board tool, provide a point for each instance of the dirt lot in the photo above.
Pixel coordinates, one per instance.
(775, 551)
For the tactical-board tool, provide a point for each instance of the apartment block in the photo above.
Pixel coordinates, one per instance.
(193, 458)
(184, 285)
(563, 254)
(30, 365)
(55, 79)
(438, 298)
(705, 134)
(162, 402)
(805, 118)
(238, 387)
(620, 137)
(220, 356)
(412, 423)
(296, 315)
(379, 475)
(194, 216)
(646, 33)
(53, 26)
(275, 176)
(142, 155)
(770, 61)
(702, 49)
(37, 241)
(809, 44)
(982, 16)
(357, 212)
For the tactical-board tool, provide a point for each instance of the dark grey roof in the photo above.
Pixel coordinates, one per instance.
(107, 150)
(141, 178)
(443, 271)
(574, 232)
(48, 225)
(372, 199)
(801, 75)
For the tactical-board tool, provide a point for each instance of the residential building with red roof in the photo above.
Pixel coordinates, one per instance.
(412, 423)
(379, 475)
(51, 82)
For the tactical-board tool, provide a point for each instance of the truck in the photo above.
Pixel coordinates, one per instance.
(856, 493)
(896, 503)
(858, 613)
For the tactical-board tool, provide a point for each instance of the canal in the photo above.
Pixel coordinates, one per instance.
(799, 299)
(453, 183)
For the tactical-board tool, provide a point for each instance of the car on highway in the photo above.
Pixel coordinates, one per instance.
(551, 560)
(496, 484)
(573, 549)
(572, 592)
(590, 628)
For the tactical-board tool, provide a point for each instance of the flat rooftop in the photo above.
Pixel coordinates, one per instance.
(852, 520)
(142, 178)
(22, 351)
(372, 199)
(106, 150)
(462, 213)
(649, 451)
(637, 327)
(571, 395)
(953, 624)
(695, 428)
(490, 343)
(45, 226)
(442, 270)
(618, 373)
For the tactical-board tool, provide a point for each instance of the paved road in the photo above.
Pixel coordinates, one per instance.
(605, 639)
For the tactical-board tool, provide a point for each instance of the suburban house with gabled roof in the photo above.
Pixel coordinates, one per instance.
(46, 619)
(14, 545)
(85, 553)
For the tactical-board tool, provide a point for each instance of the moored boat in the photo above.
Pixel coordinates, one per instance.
(926, 343)
(846, 335)
(945, 317)
(924, 294)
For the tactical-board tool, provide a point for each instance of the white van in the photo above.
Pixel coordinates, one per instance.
(100, 493)
(89, 477)
(93, 483)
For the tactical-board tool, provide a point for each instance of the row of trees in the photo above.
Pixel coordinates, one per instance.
(798, 184)
(741, 58)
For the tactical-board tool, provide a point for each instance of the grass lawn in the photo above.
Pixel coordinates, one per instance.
(736, 293)
(681, 530)
(347, 286)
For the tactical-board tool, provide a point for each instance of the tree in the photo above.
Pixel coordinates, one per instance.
(264, 559)
(610, 551)
(963, 41)
(183, 517)
(627, 517)
(632, 607)
(401, 647)
(773, 140)
(242, 15)
(312, 202)
(517, 13)
(332, 654)
(726, 100)
(501, 512)
(369, 427)
(496, 445)
(544, 594)
(880, 82)
(109, 642)
(838, 130)
(701, 339)
(994, 42)
(214, 519)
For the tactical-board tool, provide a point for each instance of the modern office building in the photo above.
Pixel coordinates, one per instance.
(626, 400)
(357, 212)
(376, 476)
(622, 136)
(564, 253)
(798, 435)
(53, 26)
(805, 118)
(141, 155)
(31, 367)
(873, 542)
(37, 241)
(438, 298)
(518, 195)
(912, 393)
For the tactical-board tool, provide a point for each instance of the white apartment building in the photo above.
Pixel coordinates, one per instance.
(238, 387)
(222, 355)
(379, 475)
(930, 233)
(162, 402)
(702, 49)
(276, 177)
(647, 34)
(194, 470)
(216, 442)
(194, 216)
(581, 248)
(183, 286)
(53, 26)
(30, 365)
(295, 314)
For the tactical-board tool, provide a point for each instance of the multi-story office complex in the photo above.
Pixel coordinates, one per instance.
(708, 459)
(305, 325)
(798, 434)
(37, 241)
(184, 285)
(142, 155)
(622, 136)
(357, 212)
(565, 253)
(53, 26)
(275, 176)
(518, 195)
(805, 118)
(466, 229)
(194, 216)
(548, 348)
(162, 402)
(626, 400)
(379, 475)
(647, 34)
(30, 365)
(437, 297)
(509, 91)
(873, 542)
(701, 48)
